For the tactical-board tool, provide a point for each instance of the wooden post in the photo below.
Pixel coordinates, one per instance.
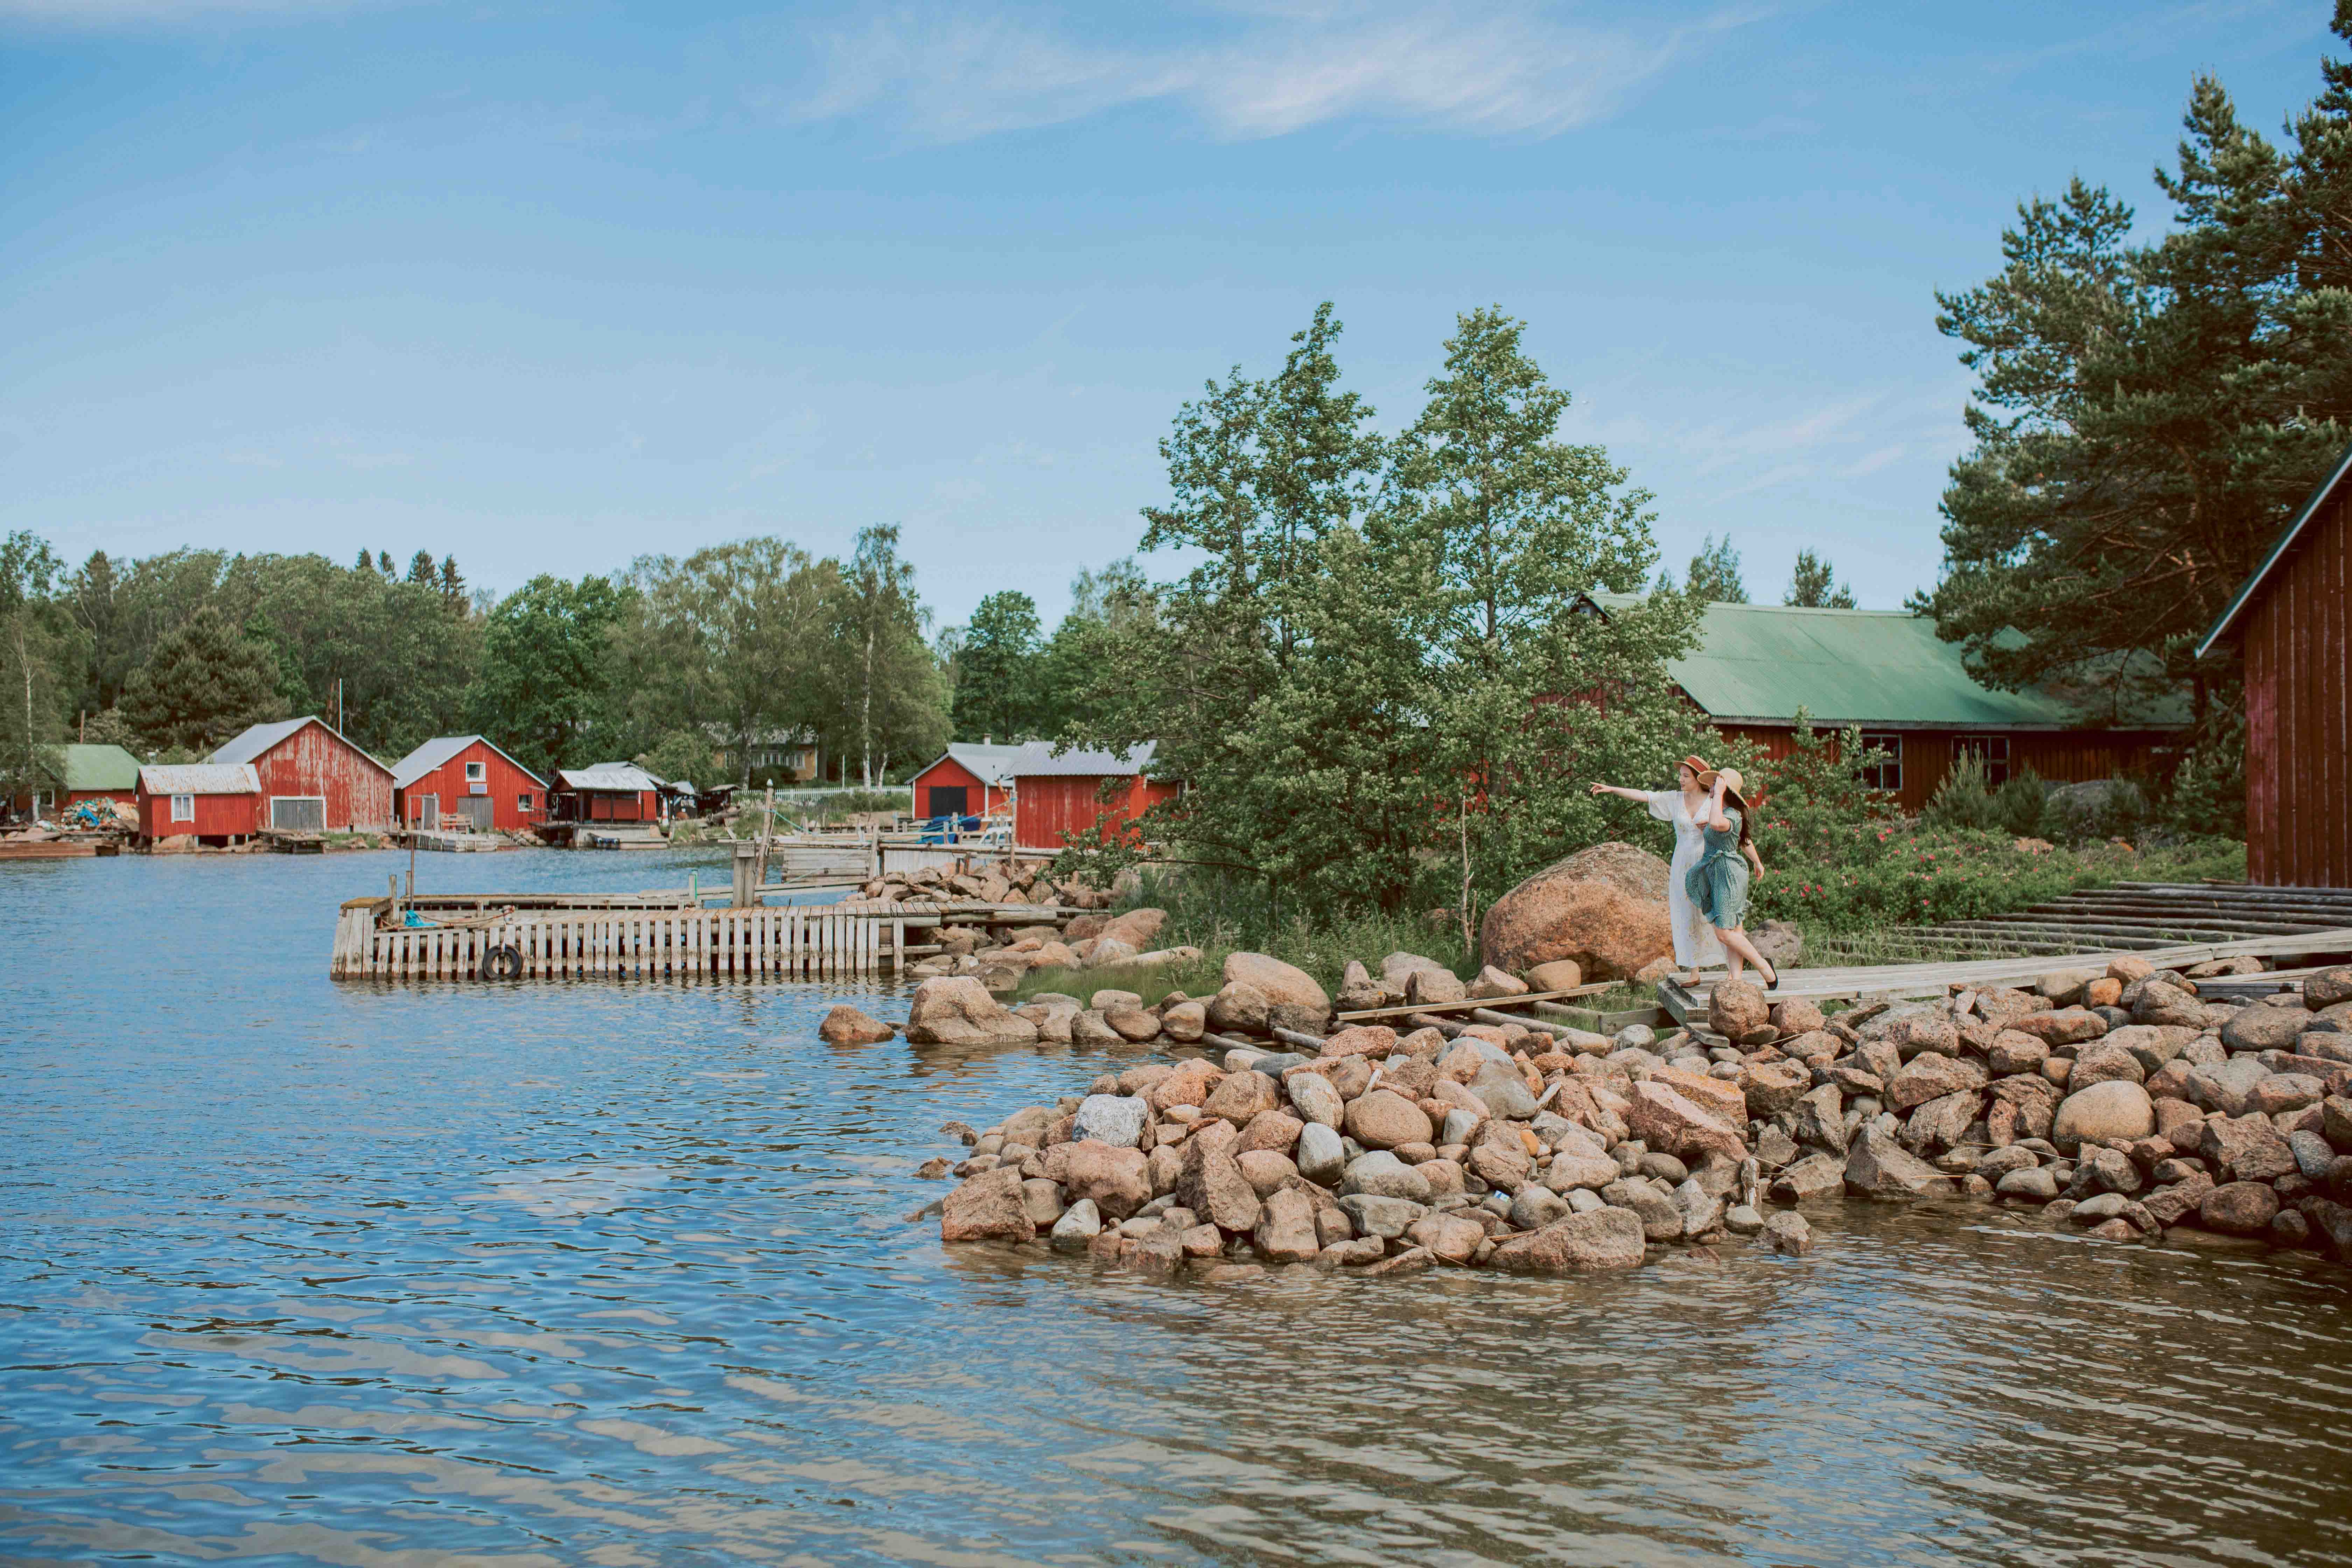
(745, 873)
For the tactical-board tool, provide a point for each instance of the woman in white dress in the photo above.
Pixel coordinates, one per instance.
(1686, 806)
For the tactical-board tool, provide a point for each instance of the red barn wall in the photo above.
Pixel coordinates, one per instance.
(605, 805)
(1048, 808)
(217, 816)
(2298, 729)
(2065, 756)
(948, 772)
(506, 781)
(315, 761)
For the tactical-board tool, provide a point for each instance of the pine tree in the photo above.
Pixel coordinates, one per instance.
(204, 684)
(1813, 585)
(421, 568)
(1714, 574)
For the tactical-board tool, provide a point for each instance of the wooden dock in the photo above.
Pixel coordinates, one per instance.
(656, 936)
(1924, 980)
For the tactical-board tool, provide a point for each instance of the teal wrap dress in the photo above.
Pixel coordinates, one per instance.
(1717, 885)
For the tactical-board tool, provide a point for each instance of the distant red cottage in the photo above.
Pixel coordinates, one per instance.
(213, 803)
(1055, 797)
(967, 781)
(2293, 620)
(467, 778)
(313, 778)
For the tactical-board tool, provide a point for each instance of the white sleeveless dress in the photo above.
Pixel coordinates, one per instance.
(1696, 946)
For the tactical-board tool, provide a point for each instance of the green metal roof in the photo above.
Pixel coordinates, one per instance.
(1760, 663)
(99, 767)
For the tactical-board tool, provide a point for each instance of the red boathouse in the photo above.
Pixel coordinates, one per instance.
(2293, 620)
(212, 803)
(313, 778)
(1055, 797)
(465, 781)
(966, 781)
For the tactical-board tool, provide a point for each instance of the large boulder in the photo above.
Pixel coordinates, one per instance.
(1669, 1122)
(991, 1207)
(2116, 1112)
(1293, 999)
(957, 1010)
(1592, 1243)
(1878, 1167)
(1605, 907)
(1117, 1181)
(845, 1026)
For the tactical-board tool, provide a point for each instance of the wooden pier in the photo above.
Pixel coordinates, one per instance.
(644, 937)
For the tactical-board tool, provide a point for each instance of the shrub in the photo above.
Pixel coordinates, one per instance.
(1963, 803)
(2022, 804)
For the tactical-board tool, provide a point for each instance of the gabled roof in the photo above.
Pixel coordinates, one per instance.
(2337, 480)
(199, 778)
(98, 767)
(625, 778)
(1037, 761)
(445, 748)
(988, 765)
(1760, 663)
(259, 738)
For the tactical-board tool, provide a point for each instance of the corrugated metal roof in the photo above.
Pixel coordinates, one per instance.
(988, 765)
(624, 777)
(1037, 761)
(99, 767)
(1763, 662)
(2279, 547)
(441, 749)
(199, 778)
(257, 739)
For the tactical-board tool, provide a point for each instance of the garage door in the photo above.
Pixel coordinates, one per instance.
(476, 809)
(298, 813)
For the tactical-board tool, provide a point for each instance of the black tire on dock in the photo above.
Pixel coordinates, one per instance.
(502, 963)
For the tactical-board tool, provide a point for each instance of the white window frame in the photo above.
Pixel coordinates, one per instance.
(183, 809)
(522, 803)
(1993, 749)
(1891, 742)
(475, 772)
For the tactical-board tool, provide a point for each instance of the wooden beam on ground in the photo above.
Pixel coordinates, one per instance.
(1369, 1014)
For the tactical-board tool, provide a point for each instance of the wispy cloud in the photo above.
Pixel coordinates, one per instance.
(1246, 70)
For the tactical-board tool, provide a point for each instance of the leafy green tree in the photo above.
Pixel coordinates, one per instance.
(886, 694)
(683, 754)
(997, 670)
(545, 685)
(205, 683)
(1813, 586)
(2148, 415)
(37, 657)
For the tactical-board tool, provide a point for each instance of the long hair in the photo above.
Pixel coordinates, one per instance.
(1733, 798)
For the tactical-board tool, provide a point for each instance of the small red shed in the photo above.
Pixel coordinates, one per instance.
(966, 781)
(468, 777)
(2293, 620)
(313, 778)
(609, 791)
(213, 803)
(1057, 796)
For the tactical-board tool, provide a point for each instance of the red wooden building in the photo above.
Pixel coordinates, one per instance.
(2292, 620)
(467, 778)
(77, 773)
(313, 778)
(1907, 689)
(608, 792)
(1057, 796)
(966, 781)
(212, 803)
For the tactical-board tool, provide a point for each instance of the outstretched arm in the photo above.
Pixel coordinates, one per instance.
(1621, 789)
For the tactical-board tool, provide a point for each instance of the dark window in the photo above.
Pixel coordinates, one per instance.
(950, 800)
(522, 802)
(1993, 749)
(1884, 772)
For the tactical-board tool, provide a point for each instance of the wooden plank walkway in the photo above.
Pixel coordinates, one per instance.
(2134, 917)
(791, 942)
(1911, 980)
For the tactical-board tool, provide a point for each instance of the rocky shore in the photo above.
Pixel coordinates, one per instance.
(2119, 1098)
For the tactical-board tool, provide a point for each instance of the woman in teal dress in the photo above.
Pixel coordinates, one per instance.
(1717, 885)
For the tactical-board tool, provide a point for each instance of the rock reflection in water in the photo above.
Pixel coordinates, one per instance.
(606, 1273)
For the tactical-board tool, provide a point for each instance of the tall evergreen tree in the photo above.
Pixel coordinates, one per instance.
(1814, 586)
(205, 683)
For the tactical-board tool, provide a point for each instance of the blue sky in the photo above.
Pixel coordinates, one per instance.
(549, 287)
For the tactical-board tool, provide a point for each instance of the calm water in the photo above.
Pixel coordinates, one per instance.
(292, 1272)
